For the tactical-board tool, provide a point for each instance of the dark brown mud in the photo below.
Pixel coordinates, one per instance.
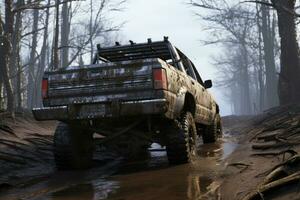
(150, 179)
(229, 169)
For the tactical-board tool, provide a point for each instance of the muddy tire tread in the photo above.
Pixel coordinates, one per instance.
(178, 140)
(66, 144)
(211, 133)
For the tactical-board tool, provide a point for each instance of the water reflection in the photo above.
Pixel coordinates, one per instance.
(170, 183)
(95, 190)
(197, 186)
(166, 184)
(155, 179)
(219, 150)
(86, 192)
(148, 180)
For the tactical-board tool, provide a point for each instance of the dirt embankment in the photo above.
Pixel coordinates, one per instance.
(25, 149)
(266, 165)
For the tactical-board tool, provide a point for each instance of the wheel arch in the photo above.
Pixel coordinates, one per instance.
(189, 103)
(185, 101)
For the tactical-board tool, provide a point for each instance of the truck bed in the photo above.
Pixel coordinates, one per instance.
(102, 90)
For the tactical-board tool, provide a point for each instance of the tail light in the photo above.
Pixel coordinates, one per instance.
(160, 79)
(44, 88)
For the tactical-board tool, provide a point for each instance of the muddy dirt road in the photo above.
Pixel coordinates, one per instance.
(258, 155)
(114, 179)
(152, 179)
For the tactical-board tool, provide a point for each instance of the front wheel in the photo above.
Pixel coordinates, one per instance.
(212, 132)
(73, 147)
(182, 140)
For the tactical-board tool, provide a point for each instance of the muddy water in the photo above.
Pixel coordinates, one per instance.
(115, 180)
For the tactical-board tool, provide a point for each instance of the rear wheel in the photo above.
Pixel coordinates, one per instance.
(182, 140)
(73, 148)
(212, 132)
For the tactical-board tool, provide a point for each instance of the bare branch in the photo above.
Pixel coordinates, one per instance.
(32, 32)
(292, 12)
(36, 5)
(260, 2)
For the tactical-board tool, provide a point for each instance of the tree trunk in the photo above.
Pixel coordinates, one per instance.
(260, 63)
(5, 54)
(42, 61)
(65, 31)
(1, 92)
(15, 58)
(91, 32)
(289, 81)
(269, 57)
(32, 61)
(19, 83)
(55, 60)
(246, 102)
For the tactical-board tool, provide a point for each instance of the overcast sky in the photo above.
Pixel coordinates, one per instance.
(174, 18)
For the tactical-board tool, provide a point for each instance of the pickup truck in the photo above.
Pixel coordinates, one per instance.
(131, 96)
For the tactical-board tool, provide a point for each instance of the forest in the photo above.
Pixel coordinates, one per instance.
(257, 56)
(38, 35)
(259, 59)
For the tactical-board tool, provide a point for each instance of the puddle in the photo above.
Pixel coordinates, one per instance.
(155, 179)
(147, 180)
(95, 190)
(219, 150)
(228, 148)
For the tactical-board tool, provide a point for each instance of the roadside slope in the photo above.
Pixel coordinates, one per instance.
(266, 162)
(25, 148)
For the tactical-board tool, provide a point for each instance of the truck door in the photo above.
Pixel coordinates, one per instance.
(203, 98)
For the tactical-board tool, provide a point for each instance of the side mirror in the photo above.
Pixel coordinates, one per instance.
(207, 84)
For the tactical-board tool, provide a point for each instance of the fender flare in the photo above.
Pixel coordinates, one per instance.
(217, 110)
(179, 102)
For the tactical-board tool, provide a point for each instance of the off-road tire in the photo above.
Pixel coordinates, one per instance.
(182, 140)
(212, 132)
(73, 148)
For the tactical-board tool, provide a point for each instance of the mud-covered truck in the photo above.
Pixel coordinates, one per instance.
(130, 97)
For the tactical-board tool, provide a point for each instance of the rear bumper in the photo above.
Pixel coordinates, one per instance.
(101, 110)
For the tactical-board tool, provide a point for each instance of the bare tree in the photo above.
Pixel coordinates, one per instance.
(26, 27)
(232, 24)
(6, 30)
(15, 58)
(65, 33)
(262, 45)
(55, 57)
(289, 81)
(43, 57)
(260, 63)
(32, 60)
(268, 35)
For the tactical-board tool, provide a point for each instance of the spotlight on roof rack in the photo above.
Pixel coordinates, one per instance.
(149, 40)
(166, 38)
(131, 42)
(118, 44)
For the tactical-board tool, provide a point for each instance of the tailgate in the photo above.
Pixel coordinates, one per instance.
(127, 80)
